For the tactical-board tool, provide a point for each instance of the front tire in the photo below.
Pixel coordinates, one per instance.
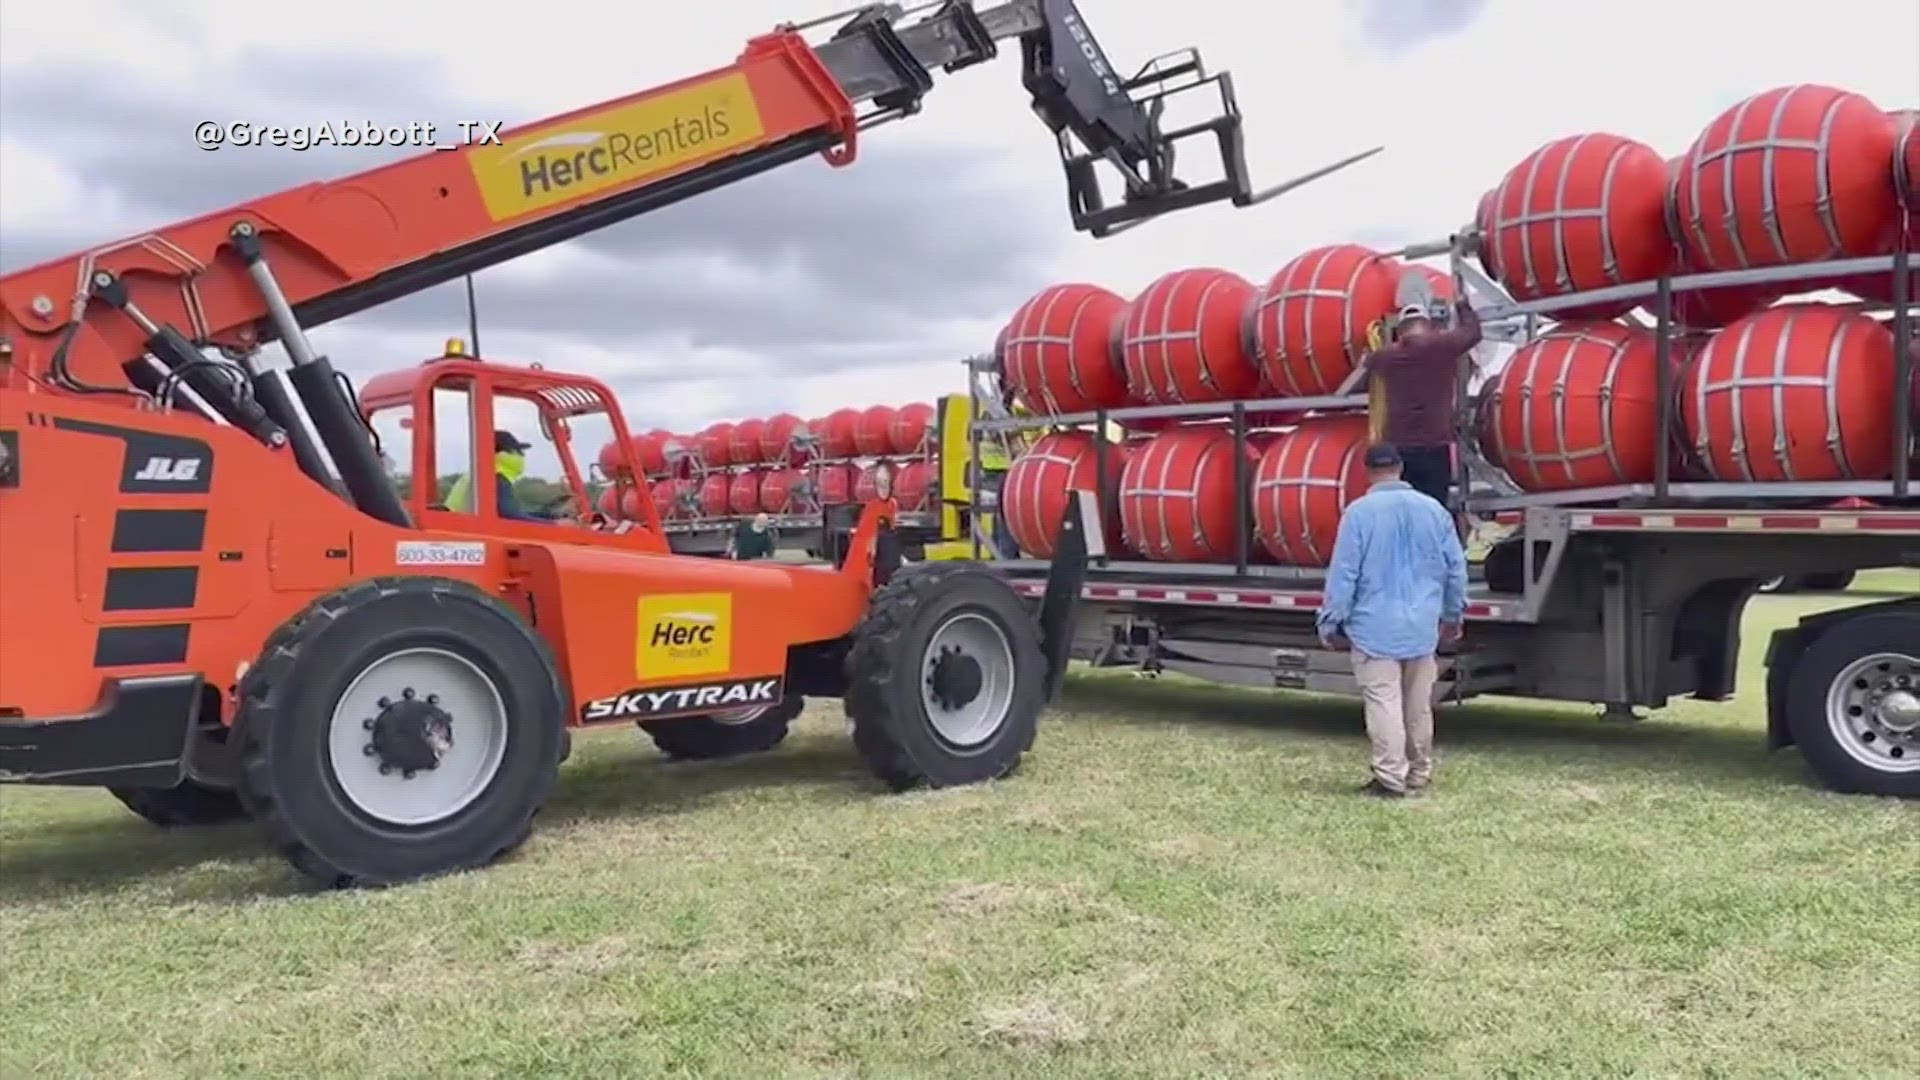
(1853, 704)
(946, 678)
(399, 729)
(188, 804)
(725, 735)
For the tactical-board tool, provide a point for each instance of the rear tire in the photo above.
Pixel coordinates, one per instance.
(717, 736)
(1854, 719)
(1827, 581)
(946, 678)
(187, 804)
(350, 694)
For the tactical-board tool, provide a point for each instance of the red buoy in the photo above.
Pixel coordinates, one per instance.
(778, 435)
(784, 491)
(1303, 483)
(913, 486)
(839, 433)
(1705, 309)
(716, 445)
(675, 500)
(910, 429)
(1792, 174)
(715, 494)
(833, 484)
(743, 446)
(873, 435)
(1581, 213)
(612, 463)
(1797, 392)
(743, 491)
(866, 487)
(1906, 224)
(1577, 407)
(1181, 340)
(1177, 496)
(1033, 497)
(1309, 324)
(609, 501)
(1059, 353)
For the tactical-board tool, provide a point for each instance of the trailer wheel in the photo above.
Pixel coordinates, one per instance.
(1853, 703)
(400, 728)
(1827, 581)
(725, 734)
(185, 805)
(946, 678)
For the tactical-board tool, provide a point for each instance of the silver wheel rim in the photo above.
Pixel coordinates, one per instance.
(1873, 711)
(469, 764)
(981, 639)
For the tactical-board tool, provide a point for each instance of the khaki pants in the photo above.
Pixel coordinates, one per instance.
(1399, 702)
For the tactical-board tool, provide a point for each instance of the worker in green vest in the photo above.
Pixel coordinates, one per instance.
(752, 539)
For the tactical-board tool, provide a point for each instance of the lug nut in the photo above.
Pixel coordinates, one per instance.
(433, 699)
(406, 774)
(367, 723)
(385, 769)
(368, 749)
(385, 703)
(407, 693)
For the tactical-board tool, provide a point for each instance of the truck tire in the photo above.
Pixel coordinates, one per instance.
(1827, 581)
(946, 678)
(398, 729)
(725, 735)
(1853, 704)
(185, 805)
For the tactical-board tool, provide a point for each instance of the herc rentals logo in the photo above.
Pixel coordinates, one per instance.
(620, 145)
(684, 634)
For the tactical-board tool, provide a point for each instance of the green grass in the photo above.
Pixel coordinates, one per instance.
(1179, 883)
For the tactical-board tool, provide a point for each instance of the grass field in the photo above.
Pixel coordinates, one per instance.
(1179, 883)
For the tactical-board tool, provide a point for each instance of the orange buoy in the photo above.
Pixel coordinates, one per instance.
(913, 486)
(675, 500)
(1797, 392)
(873, 436)
(743, 446)
(1705, 309)
(839, 433)
(716, 445)
(1581, 213)
(866, 487)
(743, 491)
(907, 433)
(1792, 174)
(1181, 340)
(1059, 354)
(1309, 324)
(778, 437)
(612, 463)
(1304, 482)
(785, 491)
(1177, 496)
(1906, 225)
(715, 495)
(1033, 496)
(1577, 407)
(834, 483)
(609, 501)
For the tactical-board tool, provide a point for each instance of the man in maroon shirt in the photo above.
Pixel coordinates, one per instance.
(1419, 373)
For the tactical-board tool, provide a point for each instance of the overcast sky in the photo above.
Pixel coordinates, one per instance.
(810, 288)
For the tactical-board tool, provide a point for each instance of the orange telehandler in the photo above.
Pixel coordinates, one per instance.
(217, 603)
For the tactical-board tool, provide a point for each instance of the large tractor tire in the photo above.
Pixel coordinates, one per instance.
(946, 678)
(185, 805)
(725, 734)
(1853, 703)
(398, 729)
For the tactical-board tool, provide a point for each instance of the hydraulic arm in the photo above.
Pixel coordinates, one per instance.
(134, 318)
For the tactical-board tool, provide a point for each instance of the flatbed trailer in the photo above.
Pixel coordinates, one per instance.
(1623, 597)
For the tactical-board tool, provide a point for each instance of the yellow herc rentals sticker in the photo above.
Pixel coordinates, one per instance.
(684, 634)
(616, 146)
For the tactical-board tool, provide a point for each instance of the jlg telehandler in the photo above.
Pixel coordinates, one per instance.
(215, 603)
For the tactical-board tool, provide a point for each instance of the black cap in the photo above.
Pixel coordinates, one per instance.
(1383, 456)
(504, 442)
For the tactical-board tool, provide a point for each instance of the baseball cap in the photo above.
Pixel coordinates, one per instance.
(1383, 456)
(1414, 311)
(505, 442)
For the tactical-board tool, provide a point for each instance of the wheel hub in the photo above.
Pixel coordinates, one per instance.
(956, 678)
(411, 735)
(1900, 711)
(1874, 710)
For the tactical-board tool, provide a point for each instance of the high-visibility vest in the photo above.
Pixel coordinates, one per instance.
(1376, 387)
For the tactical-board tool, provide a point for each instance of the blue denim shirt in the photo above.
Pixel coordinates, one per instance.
(1398, 572)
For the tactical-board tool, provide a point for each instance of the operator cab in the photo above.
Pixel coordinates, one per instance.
(499, 444)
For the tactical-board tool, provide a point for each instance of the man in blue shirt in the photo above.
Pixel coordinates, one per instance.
(1396, 590)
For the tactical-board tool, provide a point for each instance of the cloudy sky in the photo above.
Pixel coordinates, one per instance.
(809, 288)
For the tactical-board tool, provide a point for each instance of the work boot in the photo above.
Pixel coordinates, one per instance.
(1378, 790)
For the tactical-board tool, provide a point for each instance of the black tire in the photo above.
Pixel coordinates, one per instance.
(287, 779)
(706, 738)
(185, 805)
(1824, 661)
(1827, 581)
(892, 726)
